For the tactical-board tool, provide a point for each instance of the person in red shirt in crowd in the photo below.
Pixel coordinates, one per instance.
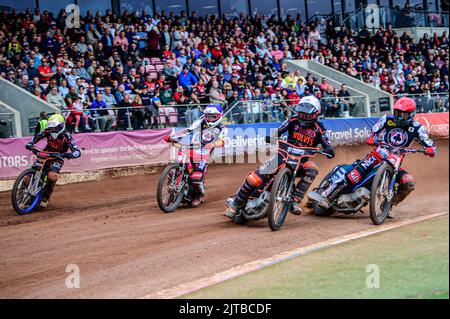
(166, 52)
(217, 52)
(178, 93)
(45, 72)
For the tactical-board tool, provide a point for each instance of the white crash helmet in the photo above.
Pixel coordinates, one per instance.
(308, 110)
(213, 115)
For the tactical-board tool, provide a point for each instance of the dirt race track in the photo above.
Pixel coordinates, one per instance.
(126, 247)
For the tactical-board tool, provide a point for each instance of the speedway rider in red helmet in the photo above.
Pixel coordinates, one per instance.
(303, 130)
(398, 130)
(211, 133)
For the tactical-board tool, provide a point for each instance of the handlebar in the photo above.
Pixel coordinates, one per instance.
(305, 149)
(45, 155)
(410, 150)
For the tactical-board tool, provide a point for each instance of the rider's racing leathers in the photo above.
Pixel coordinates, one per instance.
(387, 131)
(298, 135)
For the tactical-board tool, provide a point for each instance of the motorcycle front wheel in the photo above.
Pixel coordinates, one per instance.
(22, 199)
(169, 194)
(278, 207)
(380, 206)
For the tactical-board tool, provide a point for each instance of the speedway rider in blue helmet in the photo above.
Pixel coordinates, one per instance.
(210, 132)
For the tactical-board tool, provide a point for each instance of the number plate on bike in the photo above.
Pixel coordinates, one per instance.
(295, 151)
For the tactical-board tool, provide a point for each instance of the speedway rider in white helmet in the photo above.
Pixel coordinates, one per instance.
(208, 132)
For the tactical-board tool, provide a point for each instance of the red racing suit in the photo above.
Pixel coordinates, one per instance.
(209, 138)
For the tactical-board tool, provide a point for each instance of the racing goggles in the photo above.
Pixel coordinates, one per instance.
(212, 117)
(402, 115)
(306, 117)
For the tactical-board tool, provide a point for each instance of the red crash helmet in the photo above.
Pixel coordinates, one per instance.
(404, 111)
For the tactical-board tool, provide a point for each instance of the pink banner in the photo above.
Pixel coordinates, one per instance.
(101, 150)
(436, 123)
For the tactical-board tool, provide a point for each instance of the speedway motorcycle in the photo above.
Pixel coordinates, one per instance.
(30, 184)
(376, 190)
(174, 185)
(273, 200)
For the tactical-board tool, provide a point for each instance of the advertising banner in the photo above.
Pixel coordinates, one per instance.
(100, 150)
(436, 123)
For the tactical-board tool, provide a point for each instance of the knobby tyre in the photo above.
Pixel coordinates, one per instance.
(278, 208)
(23, 202)
(379, 204)
(169, 178)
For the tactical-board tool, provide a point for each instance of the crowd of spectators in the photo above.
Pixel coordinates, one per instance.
(163, 66)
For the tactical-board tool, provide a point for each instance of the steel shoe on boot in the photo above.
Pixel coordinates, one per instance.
(296, 209)
(321, 201)
(230, 212)
(44, 203)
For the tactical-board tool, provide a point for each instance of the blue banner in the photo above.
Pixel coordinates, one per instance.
(250, 138)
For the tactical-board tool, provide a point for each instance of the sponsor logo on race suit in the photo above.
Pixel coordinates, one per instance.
(390, 123)
(368, 162)
(406, 179)
(354, 176)
(397, 137)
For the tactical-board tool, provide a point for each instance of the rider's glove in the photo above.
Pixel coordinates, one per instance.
(371, 141)
(329, 151)
(167, 138)
(430, 151)
(67, 155)
(29, 146)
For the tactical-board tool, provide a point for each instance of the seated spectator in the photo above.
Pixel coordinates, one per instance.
(100, 113)
(76, 114)
(55, 99)
(138, 113)
(347, 100)
(124, 113)
(215, 94)
(187, 80)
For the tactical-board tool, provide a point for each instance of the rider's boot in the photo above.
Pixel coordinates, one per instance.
(200, 196)
(310, 172)
(296, 209)
(403, 191)
(47, 192)
(231, 210)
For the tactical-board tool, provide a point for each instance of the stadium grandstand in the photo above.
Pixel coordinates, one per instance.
(130, 65)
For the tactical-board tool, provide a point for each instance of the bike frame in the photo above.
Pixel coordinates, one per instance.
(290, 158)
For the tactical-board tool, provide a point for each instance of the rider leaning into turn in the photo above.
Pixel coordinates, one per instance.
(211, 133)
(397, 130)
(303, 130)
(58, 141)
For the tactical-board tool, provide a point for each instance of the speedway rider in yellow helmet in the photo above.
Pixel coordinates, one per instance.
(58, 141)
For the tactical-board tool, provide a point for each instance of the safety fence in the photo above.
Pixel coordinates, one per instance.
(146, 147)
(429, 102)
(272, 110)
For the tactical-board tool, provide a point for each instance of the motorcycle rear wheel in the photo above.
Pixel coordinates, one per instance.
(165, 181)
(278, 208)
